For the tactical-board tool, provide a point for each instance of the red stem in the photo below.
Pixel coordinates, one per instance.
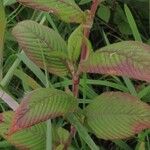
(84, 54)
(75, 88)
(87, 28)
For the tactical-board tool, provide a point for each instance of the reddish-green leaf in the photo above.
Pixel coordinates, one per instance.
(32, 138)
(66, 10)
(128, 58)
(116, 115)
(43, 46)
(40, 105)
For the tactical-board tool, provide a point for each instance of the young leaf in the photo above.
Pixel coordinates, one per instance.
(116, 115)
(66, 10)
(40, 105)
(75, 43)
(37, 41)
(31, 138)
(128, 58)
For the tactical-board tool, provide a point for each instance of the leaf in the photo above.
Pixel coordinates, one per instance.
(5, 120)
(31, 138)
(104, 13)
(37, 41)
(75, 42)
(116, 115)
(66, 10)
(128, 58)
(40, 105)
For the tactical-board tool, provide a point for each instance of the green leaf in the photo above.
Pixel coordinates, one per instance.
(5, 120)
(37, 41)
(40, 105)
(75, 42)
(66, 10)
(104, 13)
(116, 115)
(31, 138)
(128, 58)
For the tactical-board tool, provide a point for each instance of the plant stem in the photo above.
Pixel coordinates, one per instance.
(87, 28)
(75, 88)
(84, 53)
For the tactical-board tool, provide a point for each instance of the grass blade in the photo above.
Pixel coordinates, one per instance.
(132, 23)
